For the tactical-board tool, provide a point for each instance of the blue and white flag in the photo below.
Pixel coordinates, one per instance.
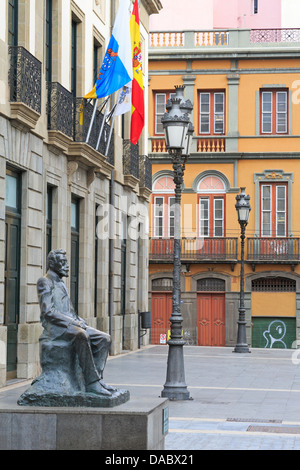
(116, 69)
(124, 100)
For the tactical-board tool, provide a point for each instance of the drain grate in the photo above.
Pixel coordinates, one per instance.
(275, 429)
(254, 420)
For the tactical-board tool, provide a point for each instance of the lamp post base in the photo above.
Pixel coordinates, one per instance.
(175, 387)
(242, 348)
(241, 344)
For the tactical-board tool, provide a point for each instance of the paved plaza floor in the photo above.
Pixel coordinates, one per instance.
(238, 401)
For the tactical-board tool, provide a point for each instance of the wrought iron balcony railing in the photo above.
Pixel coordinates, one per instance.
(208, 249)
(273, 250)
(60, 109)
(25, 78)
(130, 159)
(145, 172)
(83, 111)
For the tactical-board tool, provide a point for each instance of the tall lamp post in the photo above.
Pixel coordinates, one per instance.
(178, 133)
(243, 211)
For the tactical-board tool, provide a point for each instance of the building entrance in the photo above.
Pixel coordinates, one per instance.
(211, 312)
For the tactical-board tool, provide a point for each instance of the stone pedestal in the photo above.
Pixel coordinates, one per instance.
(135, 425)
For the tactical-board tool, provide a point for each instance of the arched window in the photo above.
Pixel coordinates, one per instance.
(211, 191)
(163, 207)
(210, 184)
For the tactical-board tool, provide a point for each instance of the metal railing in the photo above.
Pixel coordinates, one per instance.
(25, 78)
(273, 249)
(195, 249)
(83, 111)
(60, 109)
(130, 159)
(145, 172)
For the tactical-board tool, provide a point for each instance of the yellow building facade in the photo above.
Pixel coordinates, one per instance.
(246, 97)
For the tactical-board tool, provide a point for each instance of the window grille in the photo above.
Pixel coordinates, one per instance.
(162, 284)
(210, 285)
(274, 284)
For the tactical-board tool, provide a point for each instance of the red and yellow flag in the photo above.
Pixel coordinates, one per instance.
(137, 108)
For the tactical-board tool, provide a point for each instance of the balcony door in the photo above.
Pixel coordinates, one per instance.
(13, 8)
(163, 216)
(273, 221)
(12, 268)
(75, 252)
(211, 219)
(274, 215)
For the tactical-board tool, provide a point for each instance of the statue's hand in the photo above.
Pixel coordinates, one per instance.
(82, 325)
(79, 323)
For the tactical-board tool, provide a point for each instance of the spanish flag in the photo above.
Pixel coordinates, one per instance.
(137, 108)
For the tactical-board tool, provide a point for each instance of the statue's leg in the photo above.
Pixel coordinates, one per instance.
(100, 343)
(80, 340)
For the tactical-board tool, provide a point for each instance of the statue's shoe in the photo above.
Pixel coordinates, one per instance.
(107, 387)
(98, 389)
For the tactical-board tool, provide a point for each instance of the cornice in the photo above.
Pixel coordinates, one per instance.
(152, 6)
(158, 54)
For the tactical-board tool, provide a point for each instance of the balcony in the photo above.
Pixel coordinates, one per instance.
(60, 116)
(209, 144)
(145, 174)
(91, 154)
(273, 251)
(184, 39)
(131, 165)
(195, 250)
(25, 81)
(158, 145)
(173, 42)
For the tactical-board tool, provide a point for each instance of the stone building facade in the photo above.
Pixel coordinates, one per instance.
(57, 191)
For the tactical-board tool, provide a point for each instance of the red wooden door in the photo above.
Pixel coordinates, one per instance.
(211, 319)
(161, 313)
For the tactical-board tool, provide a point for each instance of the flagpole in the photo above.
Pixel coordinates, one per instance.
(102, 125)
(91, 123)
(111, 130)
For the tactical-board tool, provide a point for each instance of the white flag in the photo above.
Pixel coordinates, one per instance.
(124, 100)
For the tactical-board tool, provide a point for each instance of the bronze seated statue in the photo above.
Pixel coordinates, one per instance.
(72, 354)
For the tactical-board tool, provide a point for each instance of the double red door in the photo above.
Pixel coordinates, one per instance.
(211, 319)
(161, 313)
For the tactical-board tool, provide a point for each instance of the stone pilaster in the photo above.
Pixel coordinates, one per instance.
(233, 112)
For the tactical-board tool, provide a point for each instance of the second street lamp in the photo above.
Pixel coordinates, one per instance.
(178, 135)
(243, 211)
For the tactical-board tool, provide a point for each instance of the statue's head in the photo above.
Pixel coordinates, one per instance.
(57, 262)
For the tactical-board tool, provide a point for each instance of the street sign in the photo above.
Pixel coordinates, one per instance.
(163, 338)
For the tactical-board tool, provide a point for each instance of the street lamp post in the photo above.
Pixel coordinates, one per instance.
(243, 211)
(178, 132)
